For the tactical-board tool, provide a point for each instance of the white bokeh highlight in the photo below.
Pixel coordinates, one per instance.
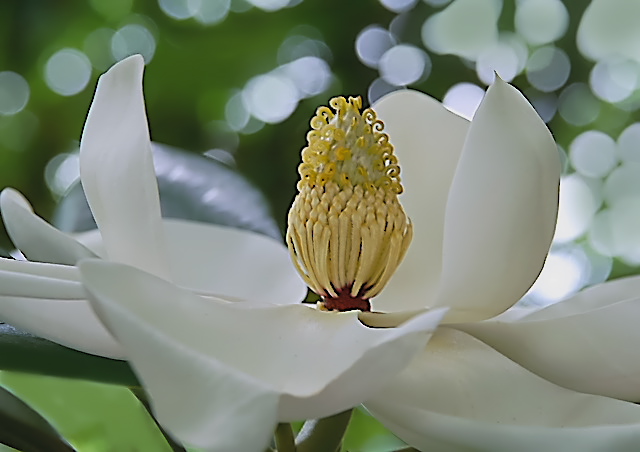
(14, 93)
(404, 64)
(541, 21)
(593, 153)
(548, 68)
(629, 144)
(464, 28)
(463, 99)
(580, 199)
(67, 72)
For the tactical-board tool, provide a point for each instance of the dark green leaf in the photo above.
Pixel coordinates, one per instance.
(24, 429)
(20, 351)
(192, 187)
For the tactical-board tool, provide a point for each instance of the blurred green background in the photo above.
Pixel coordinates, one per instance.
(238, 80)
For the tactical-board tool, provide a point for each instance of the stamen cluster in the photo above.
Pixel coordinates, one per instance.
(347, 231)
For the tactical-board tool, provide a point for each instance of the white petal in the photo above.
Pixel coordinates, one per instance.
(213, 368)
(34, 237)
(116, 169)
(428, 140)
(594, 297)
(39, 280)
(461, 395)
(232, 263)
(501, 210)
(592, 350)
(218, 261)
(48, 301)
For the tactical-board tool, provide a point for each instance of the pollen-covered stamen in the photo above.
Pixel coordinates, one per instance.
(347, 231)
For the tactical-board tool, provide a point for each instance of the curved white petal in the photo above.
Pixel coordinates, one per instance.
(225, 262)
(594, 297)
(39, 280)
(49, 301)
(34, 237)
(428, 140)
(232, 263)
(376, 319)
(242, 364)
(501, 210)
(116, 169)
(461, 395)
(594, 351)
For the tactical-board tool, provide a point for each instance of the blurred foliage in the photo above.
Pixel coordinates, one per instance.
(192, 74)
(90, 416)
(195, 69)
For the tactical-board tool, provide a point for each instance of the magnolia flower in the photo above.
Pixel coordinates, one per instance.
(482, 230)
(216, 333)
(482, 199)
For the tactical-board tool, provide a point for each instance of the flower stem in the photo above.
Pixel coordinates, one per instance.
(323, 435)
(284, 438)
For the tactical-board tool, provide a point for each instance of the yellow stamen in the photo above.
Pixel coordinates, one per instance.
(347, 232)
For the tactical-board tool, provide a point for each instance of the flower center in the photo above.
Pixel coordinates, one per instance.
(347, 232)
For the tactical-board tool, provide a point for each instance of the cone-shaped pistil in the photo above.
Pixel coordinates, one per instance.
(347, 231)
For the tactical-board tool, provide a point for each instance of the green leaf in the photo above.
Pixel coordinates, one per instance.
(91, 416)
(366, 433)
(24, 429)
(192, 187)
(23, 352)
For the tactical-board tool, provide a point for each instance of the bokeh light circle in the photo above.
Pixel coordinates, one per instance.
(379, 88)
(545, 104)
(14, 93)
(629, 144)
(62, 172)
(97, 46)
(548, 68)
(579, 201)
(236, 113)
(298, 46)
(577, 105)
(398, 6)
(500, 58)
(463, 99)
(593, 153)
(565, 271)
(404, 64)
(179, 9)
(541, 21)
(209, 12)
(610, 28)
(623, 183)
(464, 28)
(67, 71)
(616, 231)
(132, 39)
(269, 5)
(270, 98)
(371, 43)
(310, 75)
(614, 80)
